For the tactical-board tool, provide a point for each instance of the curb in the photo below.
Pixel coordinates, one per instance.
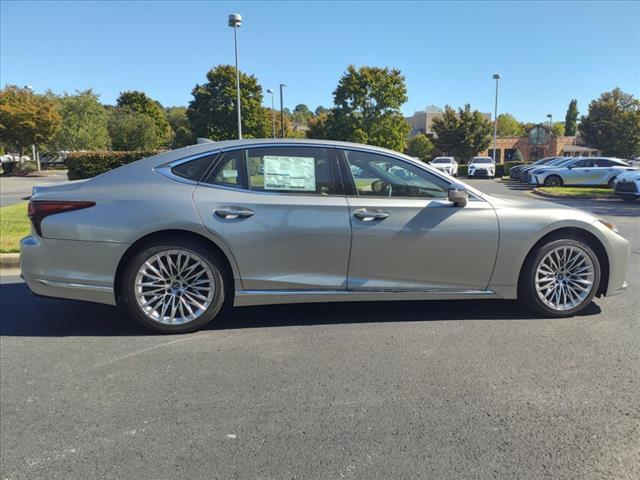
(9, 260)
(540, 193)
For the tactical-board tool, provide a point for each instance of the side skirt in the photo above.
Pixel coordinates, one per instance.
(273, 297)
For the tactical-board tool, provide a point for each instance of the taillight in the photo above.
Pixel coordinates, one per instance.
(39, 209)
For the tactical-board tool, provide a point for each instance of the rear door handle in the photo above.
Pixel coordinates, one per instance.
(368, 216)
(231, 213)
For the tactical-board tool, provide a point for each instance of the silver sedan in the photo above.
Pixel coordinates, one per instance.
(598, 171)
(175, 237)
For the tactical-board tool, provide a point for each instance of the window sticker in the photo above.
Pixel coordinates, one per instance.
(289, 173)
(229, 173)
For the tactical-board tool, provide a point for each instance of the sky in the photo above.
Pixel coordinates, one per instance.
(546, 52)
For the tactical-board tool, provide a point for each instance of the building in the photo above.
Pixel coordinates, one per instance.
(537, 144)
(422, 121)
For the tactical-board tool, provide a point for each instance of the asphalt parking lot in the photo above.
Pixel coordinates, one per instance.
(464, 390)
(15, 189)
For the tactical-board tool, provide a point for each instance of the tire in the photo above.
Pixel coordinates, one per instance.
(534, 270)
(629, 198)
(610, 183)
(553, 181)
(189, 305)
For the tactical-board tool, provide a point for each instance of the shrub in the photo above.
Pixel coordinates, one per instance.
(9, 168)
(463, 170)
(27, 167)
(91, 163)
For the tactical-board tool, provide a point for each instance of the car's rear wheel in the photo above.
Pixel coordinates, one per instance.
(553, 181)
(174, 287)
(560, 277)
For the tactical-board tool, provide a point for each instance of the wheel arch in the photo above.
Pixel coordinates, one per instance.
(578, 234)
(231, 271)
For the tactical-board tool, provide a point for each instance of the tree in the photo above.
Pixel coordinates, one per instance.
(139, 102)
(212, 112)
(366, 109)
(462, 134)
(320, 110)
(557, 129)
(420, 146)
(181, 130)
(84, 122)
(132, 131)
(571, 119)
(318, 126)
(26, 118)
(508, 126)
(613, 124)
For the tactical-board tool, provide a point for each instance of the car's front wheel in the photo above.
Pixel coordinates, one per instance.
(175, 286)
(560, 277)
(553, 181)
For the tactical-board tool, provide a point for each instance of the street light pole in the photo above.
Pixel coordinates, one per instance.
(235, 20)
(273, 112)
(496, 77)
(282, 85)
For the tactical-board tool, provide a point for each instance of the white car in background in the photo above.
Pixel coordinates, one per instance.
(627, 186)
(447, 165)
(481, 167)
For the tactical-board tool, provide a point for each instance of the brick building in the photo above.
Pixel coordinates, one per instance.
(538, 143)
(421, 121)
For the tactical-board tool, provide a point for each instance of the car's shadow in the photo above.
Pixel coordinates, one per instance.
(22, 314)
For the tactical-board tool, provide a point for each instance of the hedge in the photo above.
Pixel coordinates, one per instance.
(89, 164)
(502, 169)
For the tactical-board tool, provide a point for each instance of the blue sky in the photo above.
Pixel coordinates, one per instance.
(547, 52)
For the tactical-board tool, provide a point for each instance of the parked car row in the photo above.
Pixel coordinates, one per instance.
(575, 171)
(627, 186)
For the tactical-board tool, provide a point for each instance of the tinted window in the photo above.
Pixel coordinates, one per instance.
(229, 171)
(298, 170)
(482, 160)
(194, 169)
(384, 176)
(601, 162)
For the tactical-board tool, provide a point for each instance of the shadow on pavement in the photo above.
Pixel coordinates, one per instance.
(22, 314)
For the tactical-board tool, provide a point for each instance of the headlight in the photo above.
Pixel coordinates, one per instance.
(609, 225)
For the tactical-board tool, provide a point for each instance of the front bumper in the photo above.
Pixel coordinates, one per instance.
(71, 269)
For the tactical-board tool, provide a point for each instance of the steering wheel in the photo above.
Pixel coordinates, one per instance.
(379, 186)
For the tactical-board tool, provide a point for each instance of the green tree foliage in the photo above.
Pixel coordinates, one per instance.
(613, 124)
(367, 109)
(132, 131)
(508, 126)
(320, 110)
(180, 128)
(301, 114)
(571, 119)
(420, 146)
(26, 118)
(212, 112)
(84, 123)
(462, 134)
(317, 126)
(139, 102)
(557, 129)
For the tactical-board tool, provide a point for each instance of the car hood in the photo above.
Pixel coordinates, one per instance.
(441, 166)
(630, 176)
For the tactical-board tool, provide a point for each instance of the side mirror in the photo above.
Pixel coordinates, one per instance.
(458, 195)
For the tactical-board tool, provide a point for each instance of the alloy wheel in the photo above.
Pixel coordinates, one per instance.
(564, 278)
(174, 287)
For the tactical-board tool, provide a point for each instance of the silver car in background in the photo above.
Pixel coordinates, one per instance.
(593, 171)
(174, 237)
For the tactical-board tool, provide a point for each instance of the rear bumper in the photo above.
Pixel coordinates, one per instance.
(71, 269)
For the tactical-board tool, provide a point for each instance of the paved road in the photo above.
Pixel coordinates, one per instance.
(464, 390)
(14, 189)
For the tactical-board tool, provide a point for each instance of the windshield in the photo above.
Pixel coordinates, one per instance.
(482, 160)
(442, 160)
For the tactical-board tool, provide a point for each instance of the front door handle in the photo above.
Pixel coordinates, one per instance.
(230, 213)
(368, 216)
